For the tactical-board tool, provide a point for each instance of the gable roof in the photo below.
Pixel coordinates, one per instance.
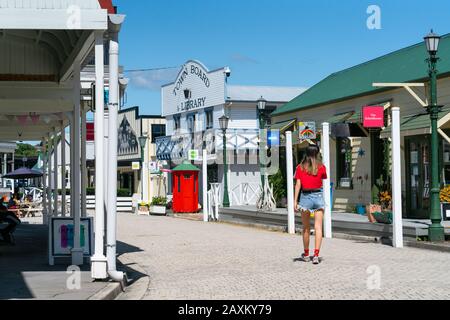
(405, 65)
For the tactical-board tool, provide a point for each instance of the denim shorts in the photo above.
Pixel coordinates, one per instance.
(312, 202)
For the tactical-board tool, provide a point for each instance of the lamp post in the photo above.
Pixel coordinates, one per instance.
(142, 143)
(436, 230)
(223, 121)
(262, 124)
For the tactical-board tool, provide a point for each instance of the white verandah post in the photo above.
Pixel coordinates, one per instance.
(83, 165)
(290, 183)
(63, 170)
(205, 185)
(77, 251)
(55, 175)
(98, 266)
(328, 231)
(397, 180)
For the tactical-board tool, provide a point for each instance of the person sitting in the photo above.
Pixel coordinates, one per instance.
(12, 221)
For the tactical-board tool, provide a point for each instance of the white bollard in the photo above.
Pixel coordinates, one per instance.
(290, 183)
(328, 233)
(205, 185)
(397, 180)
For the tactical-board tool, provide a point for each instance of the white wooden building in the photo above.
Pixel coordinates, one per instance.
(44, 45)
(193, 104)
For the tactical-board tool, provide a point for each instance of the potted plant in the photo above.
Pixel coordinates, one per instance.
(385, 216)
(143, 208)
(158, 206)
(445, 202)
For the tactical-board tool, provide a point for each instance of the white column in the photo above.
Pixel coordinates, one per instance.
(98, 267)
(111, 228)
(83, 165)
(327, 182)
(44, 181)
(145, 175)
(55, 175)
(63, 171)
(49, 177)
(397, 180)
(77, 252)
(205, 185)
(5, 168)
(290, 183)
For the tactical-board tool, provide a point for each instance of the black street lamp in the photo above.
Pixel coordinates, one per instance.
(223, 121)
(436, 230)
(262, 125)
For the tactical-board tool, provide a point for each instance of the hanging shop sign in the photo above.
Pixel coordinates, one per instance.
(307, 130)
(136, 166)
(373, 117)
(90, 131)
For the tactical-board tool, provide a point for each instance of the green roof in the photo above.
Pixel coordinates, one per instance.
(418, 121)
(186, 166)
(405, 65)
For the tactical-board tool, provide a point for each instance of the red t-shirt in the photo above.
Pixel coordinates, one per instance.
(310, 182)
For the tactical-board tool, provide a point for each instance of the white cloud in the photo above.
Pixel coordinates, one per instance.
(152, 79)
(243, 58)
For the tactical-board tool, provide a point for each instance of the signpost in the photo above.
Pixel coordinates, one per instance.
(307, 130)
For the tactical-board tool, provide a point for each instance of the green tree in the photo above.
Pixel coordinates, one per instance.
(26, 150)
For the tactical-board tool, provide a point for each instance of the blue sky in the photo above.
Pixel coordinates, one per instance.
(264, 42)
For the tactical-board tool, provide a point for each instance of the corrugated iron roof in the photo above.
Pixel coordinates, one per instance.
(405, 65)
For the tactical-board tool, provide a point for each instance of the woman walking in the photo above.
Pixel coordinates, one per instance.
(309, 187)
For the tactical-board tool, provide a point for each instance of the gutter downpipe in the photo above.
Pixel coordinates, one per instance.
(114, 25)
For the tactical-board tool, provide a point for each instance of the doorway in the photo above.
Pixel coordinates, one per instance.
(418, 174)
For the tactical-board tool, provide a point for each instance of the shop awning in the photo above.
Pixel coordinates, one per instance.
(418, 124)
(342, 117)
(283, 126)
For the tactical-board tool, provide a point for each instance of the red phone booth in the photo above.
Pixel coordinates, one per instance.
(185, 188)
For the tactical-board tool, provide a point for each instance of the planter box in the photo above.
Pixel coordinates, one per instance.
(445, 209)
(158, 210)
(143, 210)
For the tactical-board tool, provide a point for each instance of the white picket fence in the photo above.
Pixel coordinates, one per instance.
(124, 204)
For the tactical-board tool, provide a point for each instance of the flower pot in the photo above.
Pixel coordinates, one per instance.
(158, 210)
(361, 209)
(384, 217)
(371, 209)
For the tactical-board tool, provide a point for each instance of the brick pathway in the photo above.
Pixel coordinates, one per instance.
(195, 260)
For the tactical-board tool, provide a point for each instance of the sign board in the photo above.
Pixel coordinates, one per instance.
(307, 130)
(194, 88)
(136, 166)
(193, 155)
(273, 138)
(62, 236)
(373, 117)
(90, 131)
(153, 167)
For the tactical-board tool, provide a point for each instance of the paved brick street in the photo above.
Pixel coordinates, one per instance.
(196, 260)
